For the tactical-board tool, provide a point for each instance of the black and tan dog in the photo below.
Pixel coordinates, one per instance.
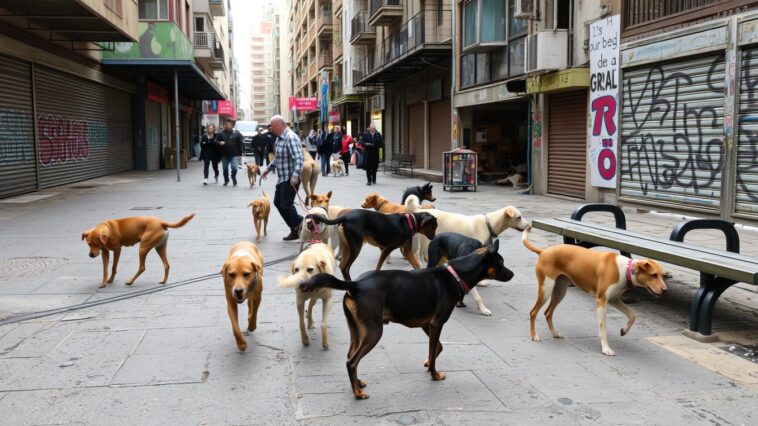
(388, 232)
(422, 192)
(417, 299)
(450, 245)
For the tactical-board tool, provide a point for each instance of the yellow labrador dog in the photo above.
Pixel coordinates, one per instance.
(316, 259)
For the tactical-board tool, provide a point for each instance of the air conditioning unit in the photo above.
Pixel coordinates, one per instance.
(524, 9)
(546, 50)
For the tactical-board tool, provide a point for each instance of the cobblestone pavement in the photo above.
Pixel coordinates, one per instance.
(169, 357)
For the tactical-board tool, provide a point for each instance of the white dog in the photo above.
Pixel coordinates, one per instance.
(338, 166)
(312, 231)
(316, 259)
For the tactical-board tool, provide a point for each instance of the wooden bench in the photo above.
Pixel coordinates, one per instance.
(400, 159)
(718, 269)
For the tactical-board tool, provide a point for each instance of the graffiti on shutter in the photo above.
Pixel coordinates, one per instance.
(747, 144)
(672, 147)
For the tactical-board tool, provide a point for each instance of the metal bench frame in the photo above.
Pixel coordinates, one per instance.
(395, 164)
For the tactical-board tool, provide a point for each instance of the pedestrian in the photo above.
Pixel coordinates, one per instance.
(359, 152)
(325, 152)
(372, 143)
(347, 140)
(232, 147)
(336, 142)
(288, 159)
(209, 152)
(259, 146)
(310, 144)
(270, 141)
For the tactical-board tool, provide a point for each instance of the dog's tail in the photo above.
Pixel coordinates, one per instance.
(527, 243)
(264, 194)
(328, 280)
(326, 220)
(293, 280)
(179, 224)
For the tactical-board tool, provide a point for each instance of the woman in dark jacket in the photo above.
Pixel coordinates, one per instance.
(209, 151)
(372, 142)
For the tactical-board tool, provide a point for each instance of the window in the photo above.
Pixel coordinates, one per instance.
(492, 28)
(199, 24)
(468, 70)
(482, 68)
(469, 22)
(499, 58)
(517, 27)
(516, 56)
(152, 10)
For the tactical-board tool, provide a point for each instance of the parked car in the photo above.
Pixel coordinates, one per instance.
(248, 130)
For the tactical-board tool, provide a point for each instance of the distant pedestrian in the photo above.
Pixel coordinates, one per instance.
(259, 147)
(324, 143)
(209, 152)
(336, 142)
(270, 142)
(347, 140)
(310, 143)
(372, 143)
(232, 147)
(288, 162)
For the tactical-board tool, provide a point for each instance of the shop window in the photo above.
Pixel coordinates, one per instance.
(153, 10)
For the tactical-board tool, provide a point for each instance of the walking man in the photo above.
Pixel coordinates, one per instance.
(232, 147)
(259, 146)
(288, 163)
(209, 152)
(372, 142)
(325, 152)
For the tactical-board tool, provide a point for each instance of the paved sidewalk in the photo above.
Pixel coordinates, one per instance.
(170, 358)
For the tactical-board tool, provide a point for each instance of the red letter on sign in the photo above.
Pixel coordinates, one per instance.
(605, 111)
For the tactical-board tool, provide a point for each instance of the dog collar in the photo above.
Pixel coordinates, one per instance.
(493, 235)
(464, 285)
(411, 225)
(379, 206)
(629, 281)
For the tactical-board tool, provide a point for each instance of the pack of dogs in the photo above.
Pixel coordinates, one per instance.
(460, 252)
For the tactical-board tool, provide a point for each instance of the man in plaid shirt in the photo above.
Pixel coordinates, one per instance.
(288, 163)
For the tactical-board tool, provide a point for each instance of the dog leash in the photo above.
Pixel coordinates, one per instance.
(464, 285)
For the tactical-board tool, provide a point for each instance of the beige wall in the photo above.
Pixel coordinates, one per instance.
(127, 22)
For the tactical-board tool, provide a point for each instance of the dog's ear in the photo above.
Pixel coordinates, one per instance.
(496, 246)
(510, 212)
(329, 195)
(223, 269)
(321, 266)
(85, 234)
(646, 266)
(103, 238)
(426, 219)
(292, 268)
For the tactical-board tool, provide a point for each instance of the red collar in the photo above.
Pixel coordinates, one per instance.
(411, 225)
(464, 284)
(629, 281)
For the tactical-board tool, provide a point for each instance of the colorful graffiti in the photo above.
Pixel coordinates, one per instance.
(537, 131)
(16, 138)
(65, 139)
(157, 40)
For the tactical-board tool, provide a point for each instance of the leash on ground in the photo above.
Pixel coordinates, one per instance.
(125, 296)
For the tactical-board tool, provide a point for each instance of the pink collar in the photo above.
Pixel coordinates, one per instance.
(464, 284)
(629, 281)
(411, 225)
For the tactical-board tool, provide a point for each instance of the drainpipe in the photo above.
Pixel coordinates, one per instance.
(453, 122)
(176, 122)
(528, 190)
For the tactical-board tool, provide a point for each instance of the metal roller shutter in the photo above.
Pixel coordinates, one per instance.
(84, 128)
(567, 144)
(672, 128)
(18, 169)
(153, 139)
(415, 133)
(747, 145)
(439, 132)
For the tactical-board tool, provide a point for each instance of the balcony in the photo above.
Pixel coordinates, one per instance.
(385, 12)
(312, 70)
(425, 38)
(337, 46)
(360, 31)
(337, 7)
(208, 50)
(324, 20)
(218, 7)
(325, 59)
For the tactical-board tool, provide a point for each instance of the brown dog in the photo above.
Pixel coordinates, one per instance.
(604, 274)
(383, 205)
(320, 200)
(309, 175)
(253, 170)
(151, 232)
(261, 210)
(243, 280)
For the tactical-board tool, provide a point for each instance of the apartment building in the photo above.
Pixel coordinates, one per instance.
(265, 65)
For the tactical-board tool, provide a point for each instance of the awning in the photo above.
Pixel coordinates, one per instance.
(193, 83)
(348, 98)
(70, 19)
(568, 79)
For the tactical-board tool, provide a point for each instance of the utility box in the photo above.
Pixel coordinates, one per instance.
(460, 170)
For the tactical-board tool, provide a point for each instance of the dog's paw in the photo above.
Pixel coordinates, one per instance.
(242, 347)
(162, 282)
(426, 363)
(306, 341)
(608, 351)
(624, 330)
(362, 383)
(361, 395)
(110, 280)
(102, 285)
(557, 335)
(535, 338)
(129, 282)
(486, 312)
(325, 345)
(438, 376)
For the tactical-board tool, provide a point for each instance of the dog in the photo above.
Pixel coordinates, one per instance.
(484, 228)
(261, 210)
(338, 166)
(317, 258)
(243, 280)
(417, 299)
(150, 232)
(388, 232)
(311, 230)
(309, 175)
(604, 274)
(253, 170)
(336, 211)
(422, 192)
(451, 245)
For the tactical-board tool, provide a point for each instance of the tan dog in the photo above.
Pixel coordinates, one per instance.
(150, 232)
(383, 205)
(338, 167)
(311, 231)
(604, 274)
(261, 210)
(243, 280)
(253, 170)
(316, 259)
(321, 200)
(309, 175)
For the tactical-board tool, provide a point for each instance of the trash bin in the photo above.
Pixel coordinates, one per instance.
(460, 170)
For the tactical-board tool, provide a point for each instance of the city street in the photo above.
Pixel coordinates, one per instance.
(169, 357)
